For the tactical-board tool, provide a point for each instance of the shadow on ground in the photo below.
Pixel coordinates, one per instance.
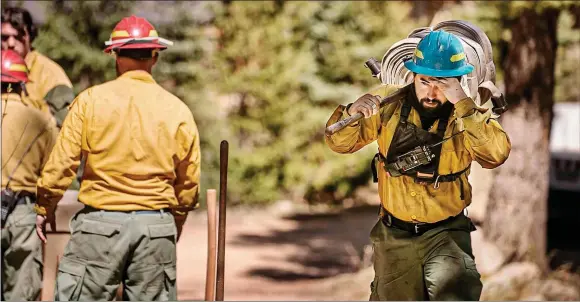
(326, 245)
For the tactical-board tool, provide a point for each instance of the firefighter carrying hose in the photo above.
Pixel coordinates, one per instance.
(141, 177)
(427, 141)
(28, 136)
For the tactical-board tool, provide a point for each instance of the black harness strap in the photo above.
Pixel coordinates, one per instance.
(430, 172)
(423, 173)
(405, 111)
(374, 166)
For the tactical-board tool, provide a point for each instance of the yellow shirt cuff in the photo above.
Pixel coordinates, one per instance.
(40, 210)
(179, 216)
(346, 115)
(183, 211)
(465, 107)
(179, 213)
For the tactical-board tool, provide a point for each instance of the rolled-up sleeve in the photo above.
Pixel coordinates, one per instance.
(188, 171)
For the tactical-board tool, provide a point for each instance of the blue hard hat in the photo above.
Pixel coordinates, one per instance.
(439, 54)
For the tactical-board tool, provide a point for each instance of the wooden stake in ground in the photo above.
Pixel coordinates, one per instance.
(210, 277)
(222, 220)
(44, 261)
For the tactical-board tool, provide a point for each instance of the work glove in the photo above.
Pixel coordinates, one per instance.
(367, 104)
(453, 89)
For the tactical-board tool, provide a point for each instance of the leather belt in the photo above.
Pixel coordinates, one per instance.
(137, 212)
(415, 228)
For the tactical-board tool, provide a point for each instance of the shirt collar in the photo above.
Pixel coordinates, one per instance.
(139, 75)
(30, 58)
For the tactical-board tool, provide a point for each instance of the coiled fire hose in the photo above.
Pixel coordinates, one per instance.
(478, 51)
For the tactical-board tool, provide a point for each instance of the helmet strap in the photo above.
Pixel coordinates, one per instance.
(23, 87)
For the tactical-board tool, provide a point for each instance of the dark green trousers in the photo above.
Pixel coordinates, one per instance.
(108, 248)
(22, 265)
(437, 265)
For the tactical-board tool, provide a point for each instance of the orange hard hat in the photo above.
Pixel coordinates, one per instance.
(135, 33)
(14, 68)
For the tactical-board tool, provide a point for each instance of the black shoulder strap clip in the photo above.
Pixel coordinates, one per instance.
(374, 167)
(405, 111)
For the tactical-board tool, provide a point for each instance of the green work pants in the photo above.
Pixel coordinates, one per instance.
(21, 256)
(436, 265)
(108, 248)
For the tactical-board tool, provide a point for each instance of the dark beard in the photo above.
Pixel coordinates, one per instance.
(431, 109)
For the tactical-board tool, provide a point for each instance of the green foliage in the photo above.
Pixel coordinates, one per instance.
(267, 75)
(567, 60)
(516, 7)
(74, 35)
(489, 15)
(290, 65)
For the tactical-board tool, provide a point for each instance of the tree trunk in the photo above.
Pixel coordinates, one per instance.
(516, 213)
(427, 9)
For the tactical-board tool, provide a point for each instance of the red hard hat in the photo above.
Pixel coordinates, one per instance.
(14, 68)
(135, 33)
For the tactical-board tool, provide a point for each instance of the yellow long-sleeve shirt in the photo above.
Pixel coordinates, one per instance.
(37, 104)
(483, 140)
(49, 83)
(21, 124)
(141, 145)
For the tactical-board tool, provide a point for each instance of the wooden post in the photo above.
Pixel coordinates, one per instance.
(210, 277)
(43, 264)
(222, 221)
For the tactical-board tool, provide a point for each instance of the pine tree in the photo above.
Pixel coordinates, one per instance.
(74, 36)
(286, 66)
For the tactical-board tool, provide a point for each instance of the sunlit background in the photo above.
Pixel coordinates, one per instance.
(267, 75)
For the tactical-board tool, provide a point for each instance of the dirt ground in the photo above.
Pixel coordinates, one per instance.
(268, 256)
(274, 253)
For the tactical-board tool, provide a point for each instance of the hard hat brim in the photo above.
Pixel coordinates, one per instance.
(13, 78)
(148, 45)
(468, 68)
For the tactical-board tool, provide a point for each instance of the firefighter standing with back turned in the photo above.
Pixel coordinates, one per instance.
(422, 243)
(141, 177)
(28, 136)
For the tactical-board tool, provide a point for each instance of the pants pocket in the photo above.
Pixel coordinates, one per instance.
(69, 280)
(470, 266)
(170, 282)
(25, 219)
(378, 232)
(160, 248)
(473, 279)
(374, 295)
(162, 230)
(94, 240)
